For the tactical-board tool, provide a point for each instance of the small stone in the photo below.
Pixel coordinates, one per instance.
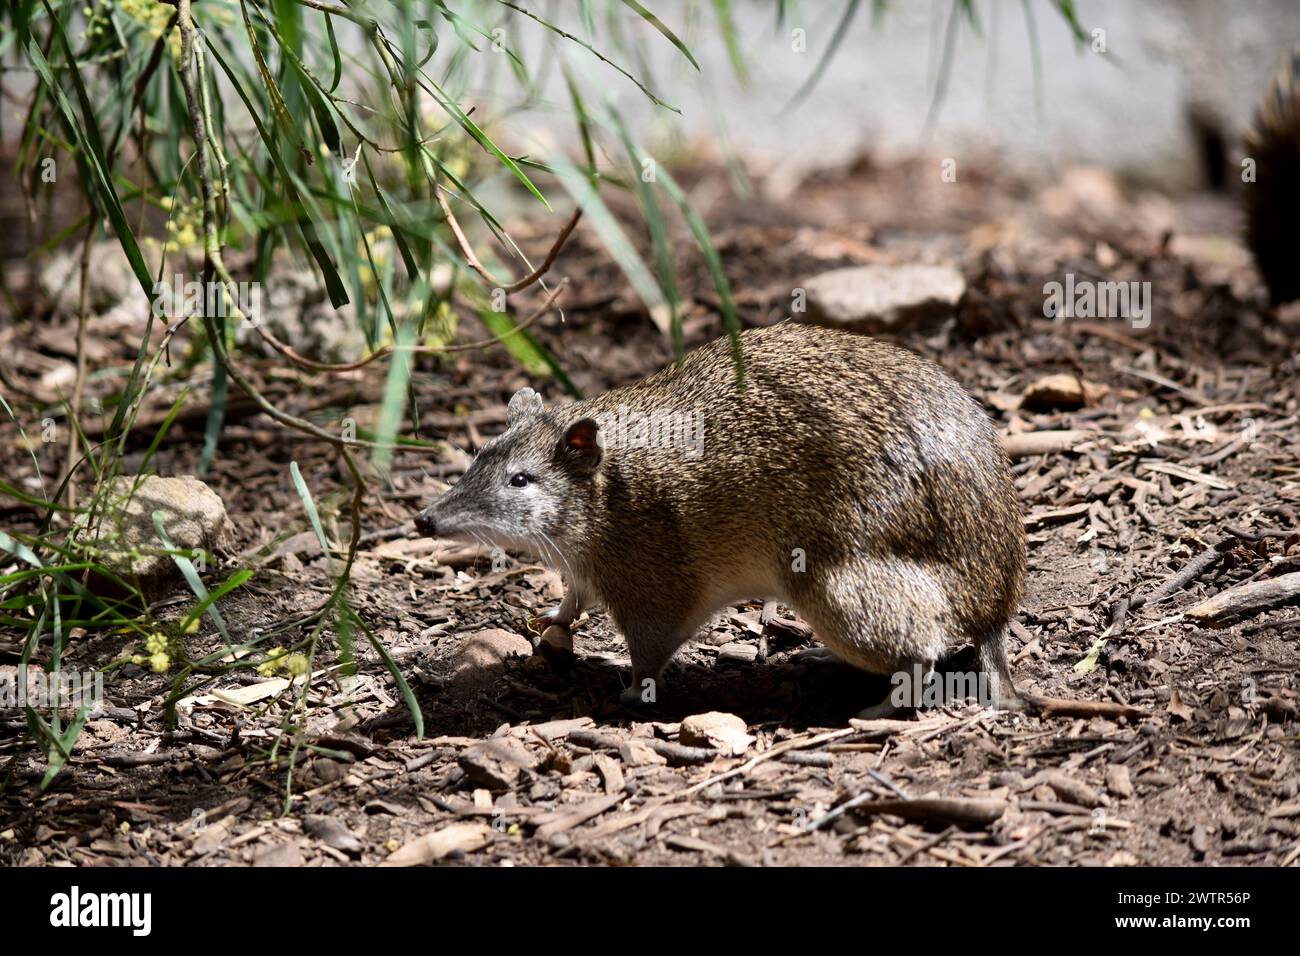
(332, 833)
(497, 764)
(327, 769)
(725, 732)
(433, 846)
(1118, 781)
(1200, 841)
(738, 652)
(127, 543)
(1061, 391)
(489, 649)
(558, 637)
(879, 297)
(638, 753)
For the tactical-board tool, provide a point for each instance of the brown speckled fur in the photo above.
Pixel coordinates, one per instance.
(867, 457)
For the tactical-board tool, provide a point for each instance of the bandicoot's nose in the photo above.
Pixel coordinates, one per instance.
(425, 524)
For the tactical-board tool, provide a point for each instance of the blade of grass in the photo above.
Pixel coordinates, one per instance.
(190, 575)
(659, 25)
(309, 504)
(408, 696)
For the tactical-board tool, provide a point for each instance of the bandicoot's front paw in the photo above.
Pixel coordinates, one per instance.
(546, 618)
(562, 660)
(556, 647)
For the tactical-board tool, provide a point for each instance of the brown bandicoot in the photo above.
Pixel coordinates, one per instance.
(849, 478)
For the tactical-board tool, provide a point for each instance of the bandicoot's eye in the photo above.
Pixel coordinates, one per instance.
(519, 481)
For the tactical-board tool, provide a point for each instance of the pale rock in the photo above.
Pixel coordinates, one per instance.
(725, 732)
(1061, 390)
(638, 753)
(881, 297)
(127, 542)
(489, 649)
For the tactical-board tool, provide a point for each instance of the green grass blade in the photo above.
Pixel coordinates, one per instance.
(190, 575)
(408, 696)
(659, 25)
(309, 504)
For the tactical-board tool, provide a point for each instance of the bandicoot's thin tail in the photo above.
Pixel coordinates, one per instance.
(1272, 200)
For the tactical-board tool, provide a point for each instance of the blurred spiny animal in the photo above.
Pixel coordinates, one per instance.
(1272, 202)
(849, 478)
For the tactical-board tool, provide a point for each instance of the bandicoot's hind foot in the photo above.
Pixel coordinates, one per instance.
(630, 697)
(637, 699)
(1002, 693)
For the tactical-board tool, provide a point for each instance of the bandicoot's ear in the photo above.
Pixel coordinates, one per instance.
(581, 444)
(523, 404)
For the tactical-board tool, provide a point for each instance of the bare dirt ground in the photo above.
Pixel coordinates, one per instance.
(1190, 461)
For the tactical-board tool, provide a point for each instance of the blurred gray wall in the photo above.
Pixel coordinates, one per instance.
(1126, 108)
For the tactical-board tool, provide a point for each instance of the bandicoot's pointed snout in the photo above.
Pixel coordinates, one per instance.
(425, 524)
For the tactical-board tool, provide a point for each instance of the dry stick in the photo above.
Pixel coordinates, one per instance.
(1025, 444)
(214, 264)
(1246, 600)
(1176, 582)
(1193, 570)
(1064, 707)
(473, 261)
(929, 844)
(768, 754)
(641, 815)
(1010, 848)
(83, 307)
(79, 383)
(962, 811)
(834, 814)
(301, 360)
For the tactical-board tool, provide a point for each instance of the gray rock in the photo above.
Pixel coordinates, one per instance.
(332, 833)
(293, 306)
(882, 297)
(725, 732)
(110, 278)
(126, 541)
(497, 764)
(738, 652)
(487, 651)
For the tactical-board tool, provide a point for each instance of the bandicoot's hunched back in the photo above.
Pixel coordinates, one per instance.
(851, 479)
